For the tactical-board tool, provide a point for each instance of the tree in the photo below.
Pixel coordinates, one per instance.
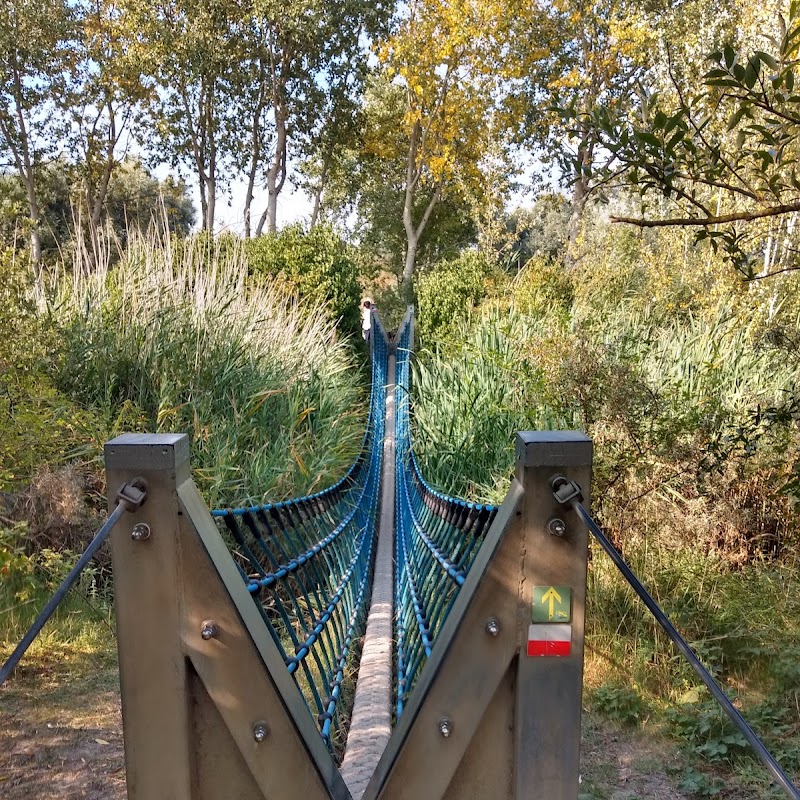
(364, 190)
(37, 65)
(598, 51)
(541, 231)
(53, 197)
(191, 55)
(103, 104)
(452, 59)
(337, 132)
(722, 159)
(306, 65)
(135, 199)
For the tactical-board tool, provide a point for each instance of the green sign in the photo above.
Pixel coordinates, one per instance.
(552, 604)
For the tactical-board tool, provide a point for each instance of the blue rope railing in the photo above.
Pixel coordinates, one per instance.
(437, 539)
(308, 564)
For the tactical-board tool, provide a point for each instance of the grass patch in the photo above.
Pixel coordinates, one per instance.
(186, 340)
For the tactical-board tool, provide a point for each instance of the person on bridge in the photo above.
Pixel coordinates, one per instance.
(366, 320)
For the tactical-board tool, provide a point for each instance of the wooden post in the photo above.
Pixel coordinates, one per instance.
(547, 717)
(209, 709)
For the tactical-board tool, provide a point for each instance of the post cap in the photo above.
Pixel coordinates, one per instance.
(553, 449)
(147, 451)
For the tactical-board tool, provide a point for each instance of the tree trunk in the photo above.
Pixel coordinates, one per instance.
(255, 149)
(276, 175)
(36, 244)
(580, 195)
(203, 204)
(211, 183)
(320, 188)
(23, 159)
(412, 245)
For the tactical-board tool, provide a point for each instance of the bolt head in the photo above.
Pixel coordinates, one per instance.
(492, 626)
(557, 527)
(209, 630)
(260, 731)
(445, 727)
(140, 532)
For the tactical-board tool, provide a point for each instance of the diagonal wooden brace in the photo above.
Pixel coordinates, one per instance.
(209, 709)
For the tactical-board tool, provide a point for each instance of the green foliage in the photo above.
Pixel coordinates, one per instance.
(543, 287)
(686, 384)
(539, 232)
(316, 264)
(138, 200)
(698, 784)
(54, 184)
(720, 158)
(619, 703)
(267, 391)
(17, 569)
(470, 399)
(448, 293)
(28, 578)
(705, 728)
(38, 424)
(135, 199)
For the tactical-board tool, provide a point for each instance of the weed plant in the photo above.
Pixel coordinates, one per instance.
(695, 479)
(184, 340)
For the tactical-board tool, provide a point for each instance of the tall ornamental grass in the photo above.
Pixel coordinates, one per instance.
(471, 395)
(676, 410)
(695, 479)
(183, 339)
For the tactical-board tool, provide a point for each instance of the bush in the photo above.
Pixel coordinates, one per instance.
(447, 294)
(543, 287)
(267, 393)
(316, 264)
(38, 424)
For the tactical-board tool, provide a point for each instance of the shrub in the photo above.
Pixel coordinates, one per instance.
(316, 264)
(267, 393)
(619, 703)
(38, 424)
(447, 294)
(543, 287)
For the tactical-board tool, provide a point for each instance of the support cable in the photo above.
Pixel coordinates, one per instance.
(568, 493)
(130, 497)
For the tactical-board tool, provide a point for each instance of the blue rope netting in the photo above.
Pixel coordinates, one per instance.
(308, 563)
(437, 539)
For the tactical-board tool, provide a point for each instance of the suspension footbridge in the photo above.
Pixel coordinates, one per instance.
(378, 639)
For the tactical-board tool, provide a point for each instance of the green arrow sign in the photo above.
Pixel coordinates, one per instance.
(552, 604)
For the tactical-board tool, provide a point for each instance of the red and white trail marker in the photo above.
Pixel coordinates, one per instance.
(549, 640)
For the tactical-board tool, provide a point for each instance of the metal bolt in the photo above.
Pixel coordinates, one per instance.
(140, 532)
(492, 626)
(445, 727)
(209, 630)
(557, 526)
(260, 731)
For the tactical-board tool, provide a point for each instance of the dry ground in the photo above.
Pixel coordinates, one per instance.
(61, 739)
(61, 735)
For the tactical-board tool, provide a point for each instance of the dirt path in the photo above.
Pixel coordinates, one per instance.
(626, 764)
(62, 740)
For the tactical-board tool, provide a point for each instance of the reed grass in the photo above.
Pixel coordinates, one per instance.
(183, 339)
(703, 509)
